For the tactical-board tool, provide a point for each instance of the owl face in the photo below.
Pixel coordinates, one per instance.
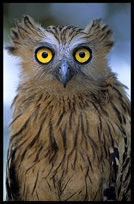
(62, 59)
(63, 56)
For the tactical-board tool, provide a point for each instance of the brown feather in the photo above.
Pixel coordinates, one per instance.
(73, 143)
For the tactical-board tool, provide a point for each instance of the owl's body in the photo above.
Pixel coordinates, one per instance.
(70, 134)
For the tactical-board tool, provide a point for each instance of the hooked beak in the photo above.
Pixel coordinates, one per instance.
(65, 72)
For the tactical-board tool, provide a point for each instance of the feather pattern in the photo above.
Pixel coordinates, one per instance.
(73, 143)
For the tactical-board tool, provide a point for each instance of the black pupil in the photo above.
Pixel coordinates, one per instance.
(82, 54)
(44, 54)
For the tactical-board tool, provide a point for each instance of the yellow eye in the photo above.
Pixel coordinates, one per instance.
(43, 55)
(83, 55)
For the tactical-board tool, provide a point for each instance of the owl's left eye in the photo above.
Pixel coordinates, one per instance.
(83, 55)
(43, 55)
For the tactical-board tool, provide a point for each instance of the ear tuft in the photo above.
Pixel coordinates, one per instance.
(93, 25)
(25, 32)
(29, 21)
(100, 33)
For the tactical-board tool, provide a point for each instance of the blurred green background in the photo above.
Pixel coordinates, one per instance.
(117, 15)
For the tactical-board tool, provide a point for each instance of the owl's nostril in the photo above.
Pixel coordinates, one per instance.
(67, 68)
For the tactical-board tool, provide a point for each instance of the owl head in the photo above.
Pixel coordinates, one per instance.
(62, 58)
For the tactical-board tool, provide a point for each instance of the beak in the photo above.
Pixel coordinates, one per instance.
(65, 72)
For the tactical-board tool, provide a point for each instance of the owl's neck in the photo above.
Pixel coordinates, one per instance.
(29, 98)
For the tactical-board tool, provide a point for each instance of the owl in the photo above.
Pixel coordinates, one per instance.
(70, 132)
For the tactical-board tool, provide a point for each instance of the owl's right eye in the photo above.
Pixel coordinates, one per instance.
(43, 55)
(83, 55)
